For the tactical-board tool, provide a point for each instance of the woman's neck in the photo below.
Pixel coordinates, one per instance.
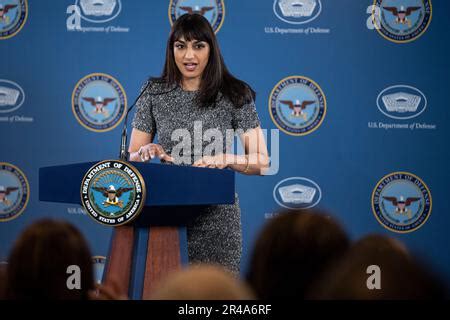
(191, 84)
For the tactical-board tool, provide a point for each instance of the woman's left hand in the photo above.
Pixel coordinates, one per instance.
(218, 161)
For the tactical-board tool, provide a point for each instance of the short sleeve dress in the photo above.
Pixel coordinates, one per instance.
(216, 235)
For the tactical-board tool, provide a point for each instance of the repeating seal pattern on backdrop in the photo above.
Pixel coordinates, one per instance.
(99, 11)
(13, 15)
(401, 102)
(99, 102)
(113, 192)
(403, 21)
(297, 105)
(213, 10)
(94, 16)
(12, 96)
(401, 202)
(297, 12)
(14, 191)
(297, 193)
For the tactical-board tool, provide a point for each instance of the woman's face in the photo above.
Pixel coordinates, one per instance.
(191, 57)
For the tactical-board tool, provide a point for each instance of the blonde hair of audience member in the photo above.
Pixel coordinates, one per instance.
(202, 282)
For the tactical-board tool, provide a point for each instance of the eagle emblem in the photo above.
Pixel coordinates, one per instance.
(401, 205)
(112, 195)
(4, 192)
(298, 107)
(4, 10)
(197, 9)
(99, 104)
(402, 14)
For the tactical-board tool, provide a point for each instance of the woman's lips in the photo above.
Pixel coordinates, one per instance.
(190, 66)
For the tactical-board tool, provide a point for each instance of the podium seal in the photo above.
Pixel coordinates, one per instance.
(113, 192)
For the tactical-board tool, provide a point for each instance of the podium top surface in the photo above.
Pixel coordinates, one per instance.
(166, 185)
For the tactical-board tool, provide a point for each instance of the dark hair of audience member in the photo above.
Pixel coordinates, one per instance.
(291, 252)
(39, 260)
(2, 280)
(401, 277)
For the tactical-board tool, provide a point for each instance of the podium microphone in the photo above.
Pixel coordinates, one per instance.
(124, 154)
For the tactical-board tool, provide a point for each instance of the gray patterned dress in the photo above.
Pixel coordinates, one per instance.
(216, 235)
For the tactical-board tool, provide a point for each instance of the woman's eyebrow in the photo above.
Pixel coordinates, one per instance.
(181, 41)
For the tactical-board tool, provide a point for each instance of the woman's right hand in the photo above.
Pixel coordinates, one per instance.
(152, 150)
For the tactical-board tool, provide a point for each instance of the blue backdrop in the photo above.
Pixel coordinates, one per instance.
(362, 135)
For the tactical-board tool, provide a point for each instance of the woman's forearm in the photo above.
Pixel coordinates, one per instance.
(251, 164)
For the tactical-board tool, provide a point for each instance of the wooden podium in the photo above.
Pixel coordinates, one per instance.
(155, 243)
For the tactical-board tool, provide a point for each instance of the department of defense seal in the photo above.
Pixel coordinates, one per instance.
(99, 102)
(113, 192)
(13, 15)
(212, 10)
(297, 105)
(14, 191)
(403, 21)
(401, 202)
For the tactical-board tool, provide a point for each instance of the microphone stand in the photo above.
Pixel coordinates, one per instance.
(124, 154)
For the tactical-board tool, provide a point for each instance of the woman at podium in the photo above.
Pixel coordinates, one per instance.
(194, 94)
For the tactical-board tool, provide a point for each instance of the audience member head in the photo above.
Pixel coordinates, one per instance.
(202, 282)
(39, 259)
(384, 265)
(292, 250)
